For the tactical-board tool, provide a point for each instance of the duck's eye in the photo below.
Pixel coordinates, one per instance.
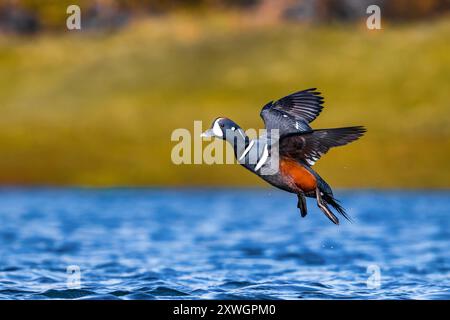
(221, 125)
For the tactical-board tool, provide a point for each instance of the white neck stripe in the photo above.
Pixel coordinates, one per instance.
(247, 150)
(263, 159)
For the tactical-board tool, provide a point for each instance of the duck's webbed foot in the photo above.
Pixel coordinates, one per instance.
(301, 204)
(323, 206)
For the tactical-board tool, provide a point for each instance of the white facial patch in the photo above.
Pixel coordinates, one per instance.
(216, 129)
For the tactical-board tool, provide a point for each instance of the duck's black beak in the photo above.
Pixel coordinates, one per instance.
(207, 134)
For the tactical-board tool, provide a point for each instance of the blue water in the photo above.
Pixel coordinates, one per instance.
(221, 244)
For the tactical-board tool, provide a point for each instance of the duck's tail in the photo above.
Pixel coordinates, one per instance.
(329, 199)
(326, 194)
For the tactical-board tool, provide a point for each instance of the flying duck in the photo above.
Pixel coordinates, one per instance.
(284, 154)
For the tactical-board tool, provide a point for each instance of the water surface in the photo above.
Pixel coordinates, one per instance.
(221, 244)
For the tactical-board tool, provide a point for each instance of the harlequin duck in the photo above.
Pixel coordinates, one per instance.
(284, 155)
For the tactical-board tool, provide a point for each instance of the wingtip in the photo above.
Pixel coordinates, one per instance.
(314, 92)
(362, 128)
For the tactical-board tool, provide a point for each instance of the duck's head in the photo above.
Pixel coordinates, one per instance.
(224, 129)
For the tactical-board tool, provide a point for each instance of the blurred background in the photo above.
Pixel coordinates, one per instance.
(97, 106)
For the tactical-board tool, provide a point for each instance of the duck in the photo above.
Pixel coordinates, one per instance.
(284, 154)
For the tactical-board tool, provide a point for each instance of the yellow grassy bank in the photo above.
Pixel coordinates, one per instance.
(99, 109)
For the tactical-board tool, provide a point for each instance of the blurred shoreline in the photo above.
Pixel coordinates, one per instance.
(98, 108)
(34, 17)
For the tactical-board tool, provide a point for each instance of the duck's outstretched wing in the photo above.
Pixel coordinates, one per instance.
(310, 146)
(294, 112)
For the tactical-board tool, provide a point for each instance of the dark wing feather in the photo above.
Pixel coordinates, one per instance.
(311, 146)
(293, 113)
(306, 104)
(302, 105)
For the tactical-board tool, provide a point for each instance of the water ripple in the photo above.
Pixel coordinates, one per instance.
(220, 244)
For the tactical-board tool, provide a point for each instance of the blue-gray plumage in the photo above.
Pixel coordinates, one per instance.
(283, 156)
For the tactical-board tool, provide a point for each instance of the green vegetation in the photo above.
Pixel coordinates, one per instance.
(99, 109)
